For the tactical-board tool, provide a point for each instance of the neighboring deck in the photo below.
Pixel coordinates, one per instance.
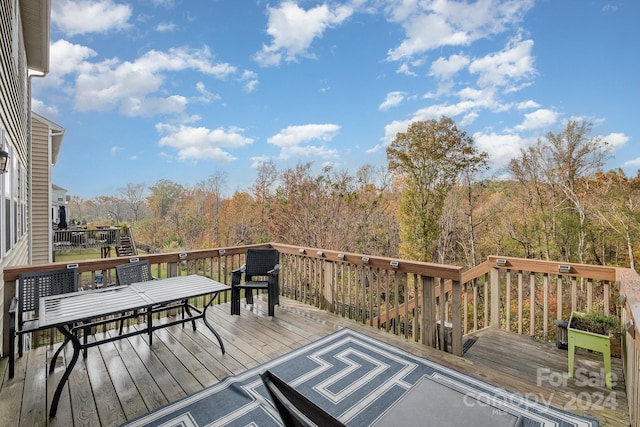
(123, 380)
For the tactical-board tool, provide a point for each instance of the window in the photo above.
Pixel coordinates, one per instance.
(13, 199)
(6, 197)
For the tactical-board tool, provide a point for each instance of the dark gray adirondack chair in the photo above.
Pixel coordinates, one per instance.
(261, 271)
(23, 313)
(294, 408)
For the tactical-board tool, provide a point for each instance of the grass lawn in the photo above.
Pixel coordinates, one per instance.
(76, 255)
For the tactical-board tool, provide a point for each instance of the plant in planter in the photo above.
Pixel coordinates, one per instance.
(602, 324)
(595, 322)
(592, 331)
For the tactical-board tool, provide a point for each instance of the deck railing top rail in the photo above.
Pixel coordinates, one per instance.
(366, 294)
(11, 273)
(443, 271)
(587, 271)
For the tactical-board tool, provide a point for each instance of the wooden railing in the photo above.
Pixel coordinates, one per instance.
(428, 303)
(64, 240)
(375, 290)
(629, 283)
(526, 296)
(214, 263)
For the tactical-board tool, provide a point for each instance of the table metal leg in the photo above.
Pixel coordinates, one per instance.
(65, 377)
(208, 325)
(52, 365)
(185, 307)
(150, 324)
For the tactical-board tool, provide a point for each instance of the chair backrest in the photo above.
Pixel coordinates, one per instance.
(33, 286)
(133, 272)
(260, 261)
(294, 408)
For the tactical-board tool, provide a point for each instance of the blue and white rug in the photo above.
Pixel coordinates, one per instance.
(353, 377)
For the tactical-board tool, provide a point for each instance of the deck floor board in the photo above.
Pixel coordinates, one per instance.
(125, 379)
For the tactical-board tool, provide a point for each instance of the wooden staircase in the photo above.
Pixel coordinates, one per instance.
(127, 246)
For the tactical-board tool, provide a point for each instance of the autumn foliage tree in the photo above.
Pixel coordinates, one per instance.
(427, 160)
(431, 203)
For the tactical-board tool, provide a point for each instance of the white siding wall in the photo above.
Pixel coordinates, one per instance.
(40, 188)
(14, 108)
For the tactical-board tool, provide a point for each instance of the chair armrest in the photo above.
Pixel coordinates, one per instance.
(236, 275)
(275, 270)
(14, 306)
(240, 270)
(12, 314)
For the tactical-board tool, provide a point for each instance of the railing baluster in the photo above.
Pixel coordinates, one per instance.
(545, 306)
(508, 300)
(520, 301)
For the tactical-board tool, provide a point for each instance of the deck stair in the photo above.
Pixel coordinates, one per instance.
(127, 246)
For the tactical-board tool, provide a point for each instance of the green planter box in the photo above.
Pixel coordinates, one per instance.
(589, 341)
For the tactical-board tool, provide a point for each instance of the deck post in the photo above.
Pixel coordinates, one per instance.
(456, 314)
(327, 286)
(428, 311)
(494, 321)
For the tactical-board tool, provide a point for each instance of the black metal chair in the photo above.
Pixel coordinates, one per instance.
(294, 408)
(133, 272)
(261, 271)
(32, 287)
(140, 271)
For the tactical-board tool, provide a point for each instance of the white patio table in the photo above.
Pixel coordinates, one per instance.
(79, 311)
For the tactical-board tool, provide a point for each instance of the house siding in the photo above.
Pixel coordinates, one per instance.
(40, 190)
(14, 105)
(14, 117)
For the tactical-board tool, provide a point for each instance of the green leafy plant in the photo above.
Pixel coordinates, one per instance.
(596, 322)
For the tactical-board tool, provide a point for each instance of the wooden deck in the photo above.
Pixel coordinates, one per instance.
(123, 380)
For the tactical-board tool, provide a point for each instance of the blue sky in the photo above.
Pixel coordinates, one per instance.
(184, 89)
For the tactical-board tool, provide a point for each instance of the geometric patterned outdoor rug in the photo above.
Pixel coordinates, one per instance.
(350, 375)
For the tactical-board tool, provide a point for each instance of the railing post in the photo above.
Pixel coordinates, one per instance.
(456, 312)
(494, 321)
(327, 291)
(428, 311)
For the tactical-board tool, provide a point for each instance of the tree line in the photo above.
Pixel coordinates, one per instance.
(433, 202)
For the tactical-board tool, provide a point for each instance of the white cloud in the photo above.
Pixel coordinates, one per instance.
(293, 141)
(426, 32)
(393, 99)
(527, 105)
(513, 64)
(65, 58)
(390, 132)
(294, 29)
(166, 27)
(471, 101)
(196, 143)
(444, 68)
(469, 118)
(295, 135)
(501, 148)
(89, 16)
(542, 118)
(129, 86)
(632, 163)
(404, 69)
(433, 24)
(250, 80)
(307, 151)
(205, 95)
(616, 140)
(149, 107)
(49, 111)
